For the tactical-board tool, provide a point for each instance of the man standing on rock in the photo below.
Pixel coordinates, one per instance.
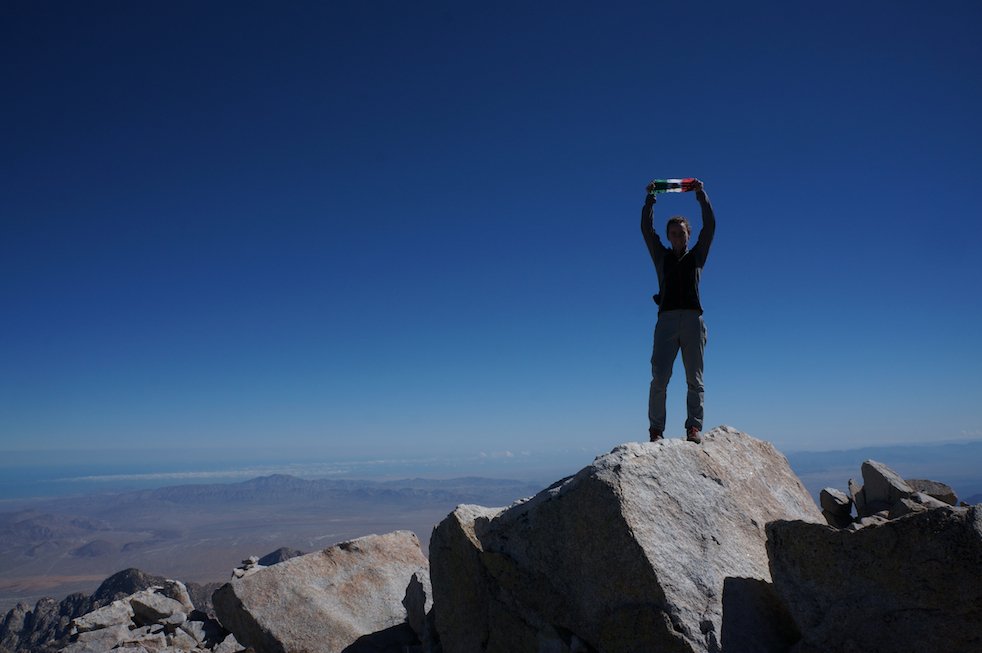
(680, 324)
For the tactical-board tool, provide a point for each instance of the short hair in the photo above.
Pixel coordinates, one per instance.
(678, 219)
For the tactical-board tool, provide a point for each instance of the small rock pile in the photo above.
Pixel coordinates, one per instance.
(883, 496)
(160, 619)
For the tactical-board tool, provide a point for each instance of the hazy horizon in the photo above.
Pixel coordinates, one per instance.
(34, 474)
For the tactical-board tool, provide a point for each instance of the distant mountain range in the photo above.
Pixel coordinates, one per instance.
(277, 488)
(200, 532)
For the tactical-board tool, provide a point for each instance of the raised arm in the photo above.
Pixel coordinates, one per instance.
(651, 239)
(708, 229)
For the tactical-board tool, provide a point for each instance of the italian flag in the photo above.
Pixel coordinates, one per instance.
(671, 185)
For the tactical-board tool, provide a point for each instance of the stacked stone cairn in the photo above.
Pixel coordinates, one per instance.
(248, 567)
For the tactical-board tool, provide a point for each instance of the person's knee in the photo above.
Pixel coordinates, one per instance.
(693, 378)
(661, 372)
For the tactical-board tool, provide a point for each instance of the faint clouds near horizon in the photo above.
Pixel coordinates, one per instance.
(39, 478)
(500, 454)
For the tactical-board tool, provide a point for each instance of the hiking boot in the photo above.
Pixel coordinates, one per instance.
(655, 435)
(692, 435)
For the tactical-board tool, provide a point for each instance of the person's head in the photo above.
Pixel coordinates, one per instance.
(678, 231)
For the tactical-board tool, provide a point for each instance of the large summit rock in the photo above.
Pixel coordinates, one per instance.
(640, 551)
(345, 598)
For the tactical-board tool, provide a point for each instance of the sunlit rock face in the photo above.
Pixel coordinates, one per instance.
(351, 594)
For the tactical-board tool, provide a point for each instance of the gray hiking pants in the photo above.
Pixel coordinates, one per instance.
(685, 330)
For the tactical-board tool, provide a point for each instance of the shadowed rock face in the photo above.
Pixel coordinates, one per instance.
(631, 554)
(345, 598)
(902, 575)
(909, 584)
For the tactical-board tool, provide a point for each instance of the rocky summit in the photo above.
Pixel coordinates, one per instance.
(655, 547)
(637, 552)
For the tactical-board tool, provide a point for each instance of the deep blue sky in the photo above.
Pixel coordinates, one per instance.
(392, 228)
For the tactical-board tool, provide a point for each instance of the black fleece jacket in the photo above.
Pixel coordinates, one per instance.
(678, 276)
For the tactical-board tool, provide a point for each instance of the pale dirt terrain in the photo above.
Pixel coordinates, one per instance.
(201, 533)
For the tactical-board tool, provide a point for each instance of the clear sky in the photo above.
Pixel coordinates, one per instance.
(411, 228)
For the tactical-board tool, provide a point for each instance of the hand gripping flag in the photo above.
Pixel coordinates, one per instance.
(671, 185)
